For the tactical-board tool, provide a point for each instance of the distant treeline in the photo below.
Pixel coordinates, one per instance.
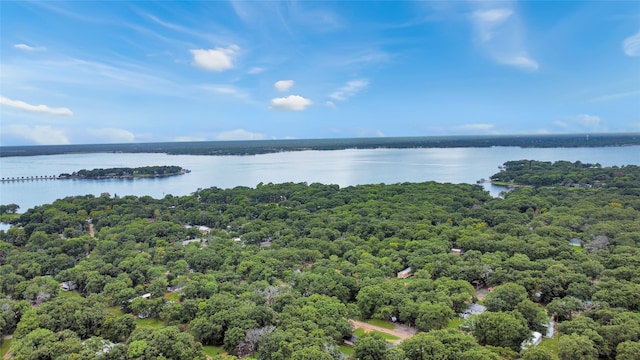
(254, 147)
(146, 171)
(542, 173)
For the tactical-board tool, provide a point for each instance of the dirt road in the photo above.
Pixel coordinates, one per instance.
(401, 331)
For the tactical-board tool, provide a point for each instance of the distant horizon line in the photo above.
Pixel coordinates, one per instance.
(378, 138)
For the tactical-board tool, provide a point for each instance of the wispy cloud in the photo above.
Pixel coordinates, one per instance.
(34, 108)
(500, 35)
(26, 47)
(583, 120)
(616, 96)
(41, 135)
(488, 20)
(255, 70)
(631, 45)
(283, 85)
(290, 103)
(330, 104)
(218, 59)
(473, 127)
(112, 134)
(350, 89)
(227, 90)
(240, 134)
(521, 61)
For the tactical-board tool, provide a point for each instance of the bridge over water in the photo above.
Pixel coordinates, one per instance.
(30, 178)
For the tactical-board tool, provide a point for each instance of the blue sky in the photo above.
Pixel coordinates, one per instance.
(99, 72)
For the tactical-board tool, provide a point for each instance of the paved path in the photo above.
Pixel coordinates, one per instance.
(402, 331)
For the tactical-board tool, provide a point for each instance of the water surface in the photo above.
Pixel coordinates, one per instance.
(342, 167)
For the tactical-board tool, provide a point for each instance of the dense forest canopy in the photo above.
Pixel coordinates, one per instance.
(252, 147)
(277, 272)
(544, 173)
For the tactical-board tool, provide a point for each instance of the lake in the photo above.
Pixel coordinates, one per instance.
(342, 167)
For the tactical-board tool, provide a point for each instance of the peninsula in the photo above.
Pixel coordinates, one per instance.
(126, 173)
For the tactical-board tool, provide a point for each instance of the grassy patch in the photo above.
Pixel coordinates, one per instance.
(172, 296)
(212, 351)
(360, 331)
(68, 294)
(4, 348)
(550, 344)
(347, 350)
(382, 323)
(114, 310)
(149, 323)
(455, 323)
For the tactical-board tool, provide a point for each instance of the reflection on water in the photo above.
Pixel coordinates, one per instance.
(342, 167)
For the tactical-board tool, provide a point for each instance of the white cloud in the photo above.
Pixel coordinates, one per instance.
(631, 45)
(584, 120)
(330, 104)
(521, 61)
(26, 47)
(487, 20)
(218, 59)
(41, 135)
(290, 103)
(472, 127)
(616, 96)
(187, 138)
(500, 34)
(283, 85)
(350, 89)
(255, 70)
(239, 134)
(34, 108)
(227, 90)
(112, 135)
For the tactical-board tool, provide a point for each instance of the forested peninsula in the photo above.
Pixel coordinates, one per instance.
(125, 173)
(253, 147)
(299, 271)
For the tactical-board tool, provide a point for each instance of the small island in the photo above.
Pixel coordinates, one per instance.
(126, 173)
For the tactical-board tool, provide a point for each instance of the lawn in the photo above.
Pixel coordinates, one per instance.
(212, 351)
(360, 331)
(149, 323)
(172, 296)
(4, 348)
(347, 350)
(550, 344)
(68, 294)
(114, 310)
(382, 323)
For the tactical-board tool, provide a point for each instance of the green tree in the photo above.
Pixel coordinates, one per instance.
(37, 344)
(433, 316)
(503, 329)
(370, 347)
(423, 346)
(232, 338)
(576, 347)
(538, 353)
(505, 297)
(628, 350)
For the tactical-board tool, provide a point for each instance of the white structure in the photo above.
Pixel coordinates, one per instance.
(405, 273)
(473, 309)
(68, 285)
(535, 339)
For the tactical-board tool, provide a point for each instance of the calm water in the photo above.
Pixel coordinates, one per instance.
(342, 167)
